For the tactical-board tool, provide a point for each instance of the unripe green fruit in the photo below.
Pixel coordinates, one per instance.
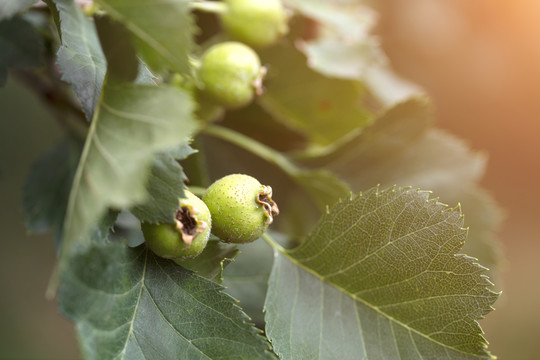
(231, 73)
(186, 238)
(255, 22)
(241, 208)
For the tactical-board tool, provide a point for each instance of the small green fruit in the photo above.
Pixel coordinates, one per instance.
(231, 74)
(257, 23)
(186, 238)
(241, 208)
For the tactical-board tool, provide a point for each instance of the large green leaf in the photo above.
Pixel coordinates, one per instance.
(165, 186)
(129, 304)
(162, 30)
(20, 46)
(46, 190)
(80, 57)
(131, 125)
(8, 8)
(379, 278)
(324, 109)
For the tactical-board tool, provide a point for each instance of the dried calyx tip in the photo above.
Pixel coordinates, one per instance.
(269, 205)
(187, 224)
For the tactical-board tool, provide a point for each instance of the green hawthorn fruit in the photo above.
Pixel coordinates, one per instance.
(257, 23)
(187, 237)
(241, 208)
(230, 74)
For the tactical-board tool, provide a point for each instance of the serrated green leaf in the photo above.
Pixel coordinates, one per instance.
(132, 124)
(379, 278)
(162, 30)
(47, 187)
(129, 304)
(80, 57)
(165, 186)
(20, 46)
(324, 109)
(213, 260)
(8, 8)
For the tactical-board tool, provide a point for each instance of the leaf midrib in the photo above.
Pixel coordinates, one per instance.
(136, 309)
(73, 195)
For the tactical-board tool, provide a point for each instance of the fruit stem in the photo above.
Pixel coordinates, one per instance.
(215, 7)
(274, 244)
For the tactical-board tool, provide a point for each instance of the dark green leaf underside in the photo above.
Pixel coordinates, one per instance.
(129, 304)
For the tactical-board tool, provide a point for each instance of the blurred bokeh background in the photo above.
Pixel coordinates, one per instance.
(478, 60)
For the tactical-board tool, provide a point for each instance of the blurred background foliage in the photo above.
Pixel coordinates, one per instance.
(479, 62)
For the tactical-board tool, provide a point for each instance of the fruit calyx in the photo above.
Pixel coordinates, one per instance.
(270, 207)
(187, 224)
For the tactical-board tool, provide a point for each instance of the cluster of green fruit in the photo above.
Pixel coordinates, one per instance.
(235, 208)
(230, 73)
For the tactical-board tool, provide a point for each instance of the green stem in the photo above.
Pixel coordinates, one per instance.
(273, 243)
(215, 7)
(253, 146)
